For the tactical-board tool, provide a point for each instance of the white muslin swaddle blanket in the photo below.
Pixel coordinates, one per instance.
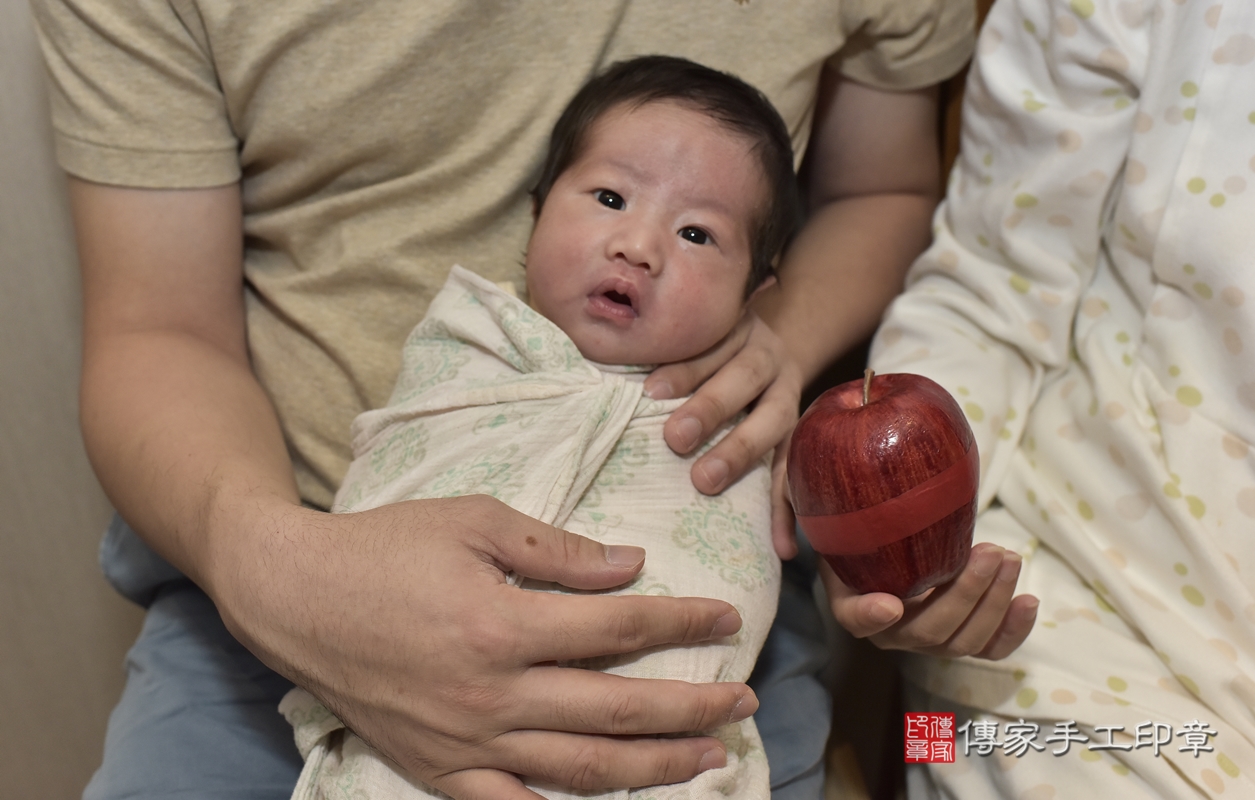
(493, 398)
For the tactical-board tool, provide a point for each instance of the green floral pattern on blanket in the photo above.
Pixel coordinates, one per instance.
(348, 784)
(540, 344)
(496, 473)
(595, 524)
(631, 452)
(723, 540)
(405, 447)
(496, 419)
(429, 361)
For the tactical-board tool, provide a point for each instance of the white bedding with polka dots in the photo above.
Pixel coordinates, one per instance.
(1088, 299)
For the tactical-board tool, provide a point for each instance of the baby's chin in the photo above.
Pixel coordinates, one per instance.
(630, 354)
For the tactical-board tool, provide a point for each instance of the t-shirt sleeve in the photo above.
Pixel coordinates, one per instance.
(905, 44)
(134, 97)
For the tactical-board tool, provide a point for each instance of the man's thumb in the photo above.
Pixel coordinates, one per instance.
(546, 553)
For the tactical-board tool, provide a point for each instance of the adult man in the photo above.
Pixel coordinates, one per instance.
(337, 159)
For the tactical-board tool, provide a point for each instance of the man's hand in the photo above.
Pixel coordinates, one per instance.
(750, 366)
(401, 621)
(976, 614)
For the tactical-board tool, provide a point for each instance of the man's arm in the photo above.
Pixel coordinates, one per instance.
(871, 179)
(399, 619)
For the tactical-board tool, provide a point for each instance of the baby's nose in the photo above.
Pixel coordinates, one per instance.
(639, 246)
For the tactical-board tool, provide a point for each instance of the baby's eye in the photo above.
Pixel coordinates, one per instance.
(695, 235)
(609, 199)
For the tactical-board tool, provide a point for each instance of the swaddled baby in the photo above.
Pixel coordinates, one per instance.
(666, 196)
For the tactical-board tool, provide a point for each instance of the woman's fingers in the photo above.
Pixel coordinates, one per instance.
(930, 622)
(986, 616)
(976, 614)
(863, 615)
(1015, 628)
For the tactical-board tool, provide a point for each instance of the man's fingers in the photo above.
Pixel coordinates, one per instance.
(763, 429)
(556, 627)
(583, 701)
(484, 784)
(595, 763)
(683, 377)
(720, 398)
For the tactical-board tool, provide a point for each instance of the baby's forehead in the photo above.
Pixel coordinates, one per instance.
(711, 121)
(709, 124)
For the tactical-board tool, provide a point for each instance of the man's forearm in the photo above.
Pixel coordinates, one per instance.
(844, 268)
(184, 441)
(179, 432)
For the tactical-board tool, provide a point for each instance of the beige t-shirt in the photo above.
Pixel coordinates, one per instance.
(379, 143)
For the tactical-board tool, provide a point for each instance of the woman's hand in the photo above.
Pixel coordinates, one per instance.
(976, 614)
(750, 366)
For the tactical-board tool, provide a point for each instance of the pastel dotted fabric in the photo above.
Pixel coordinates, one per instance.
(1088, 299)
(495, 399)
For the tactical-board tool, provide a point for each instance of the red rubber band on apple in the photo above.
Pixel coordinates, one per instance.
(868, 529)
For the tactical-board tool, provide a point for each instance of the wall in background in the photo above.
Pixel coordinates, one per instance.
(63, 630)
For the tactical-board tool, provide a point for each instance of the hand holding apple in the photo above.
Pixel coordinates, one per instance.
(883, 475)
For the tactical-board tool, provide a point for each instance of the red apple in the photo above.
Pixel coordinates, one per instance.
(883, 475)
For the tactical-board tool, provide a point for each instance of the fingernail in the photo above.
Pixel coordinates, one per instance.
(744, 707)
(688, 431)
(713, 759)
(883, 612)
(1010, 569)
(659, 389)
(987, 562)
(621, 555)
(726, 625)
(715, 471)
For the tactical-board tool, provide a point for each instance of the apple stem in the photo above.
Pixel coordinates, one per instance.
(867, 385)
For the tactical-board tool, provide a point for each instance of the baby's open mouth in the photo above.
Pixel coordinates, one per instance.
(618, 297)
(615, 299)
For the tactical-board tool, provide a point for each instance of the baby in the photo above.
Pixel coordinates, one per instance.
(667, 193)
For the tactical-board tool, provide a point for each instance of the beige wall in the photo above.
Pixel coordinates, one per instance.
(63, 632)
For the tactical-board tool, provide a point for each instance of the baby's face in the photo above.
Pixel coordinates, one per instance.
(641, 252)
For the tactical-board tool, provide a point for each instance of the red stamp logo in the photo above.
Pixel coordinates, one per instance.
(929, 738)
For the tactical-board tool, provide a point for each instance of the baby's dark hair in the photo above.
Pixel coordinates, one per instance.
(725, 98)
